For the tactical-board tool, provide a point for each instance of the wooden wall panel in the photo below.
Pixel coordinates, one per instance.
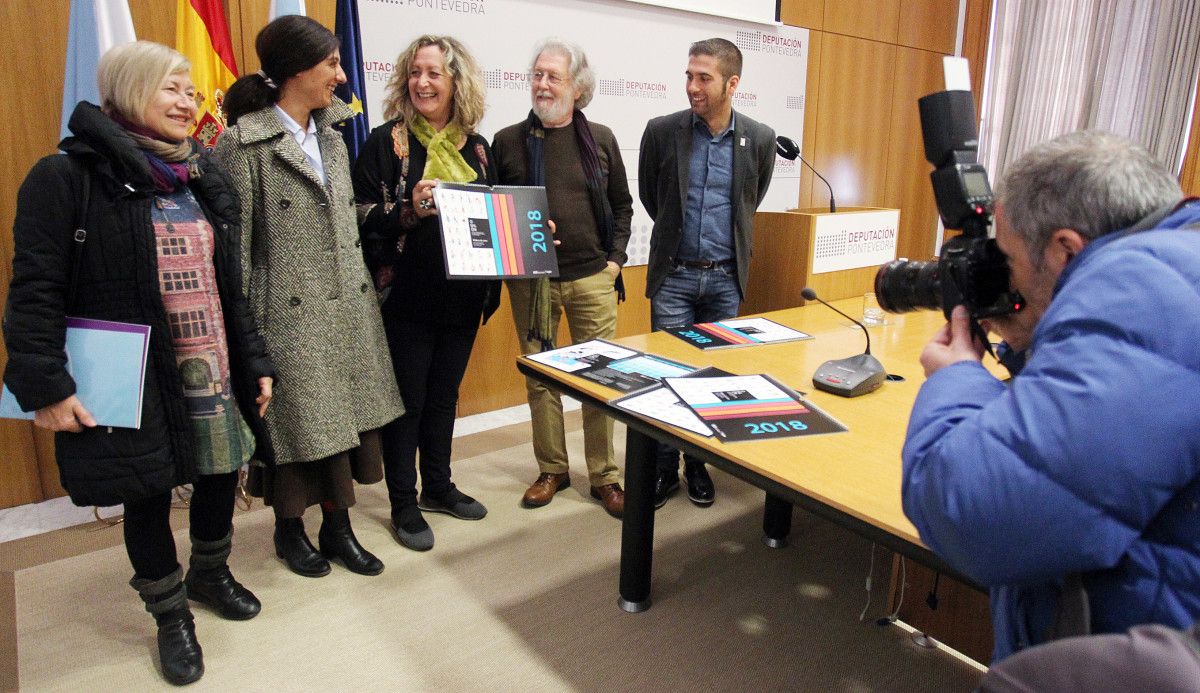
(32, 75)
(805, 13)
(251, 17)
(917, 73)
(877, 20)
(808, 148)
(960, 617)
(18, 465)
(154, 20)
(930, 25)
(1189, 180)
(976, 34)
(852, 118)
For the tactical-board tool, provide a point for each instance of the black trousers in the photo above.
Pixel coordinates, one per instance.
(148, 538)
(430, 361)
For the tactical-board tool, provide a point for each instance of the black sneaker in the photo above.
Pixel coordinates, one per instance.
(411, 529)
(454, 503)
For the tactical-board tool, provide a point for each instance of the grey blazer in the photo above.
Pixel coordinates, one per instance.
(662, 186)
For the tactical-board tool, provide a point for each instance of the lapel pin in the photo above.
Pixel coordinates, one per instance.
(743, 142)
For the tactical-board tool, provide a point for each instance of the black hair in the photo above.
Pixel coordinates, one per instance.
(286, 47)
(729, 58)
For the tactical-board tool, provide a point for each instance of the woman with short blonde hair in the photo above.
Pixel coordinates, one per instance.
(130, 74)
(160, 224)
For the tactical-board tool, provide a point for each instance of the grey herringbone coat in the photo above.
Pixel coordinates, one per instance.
(308, 287)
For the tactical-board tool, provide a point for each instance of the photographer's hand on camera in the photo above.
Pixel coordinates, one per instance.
(953, 343)
(1016, 329)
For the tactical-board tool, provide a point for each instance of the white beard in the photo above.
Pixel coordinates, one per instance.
(558, 111)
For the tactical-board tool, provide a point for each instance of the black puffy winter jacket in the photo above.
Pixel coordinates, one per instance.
(117, 280)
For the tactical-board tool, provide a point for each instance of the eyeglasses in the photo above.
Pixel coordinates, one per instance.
(553, 78)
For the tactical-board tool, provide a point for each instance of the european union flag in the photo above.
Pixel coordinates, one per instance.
(356, 129)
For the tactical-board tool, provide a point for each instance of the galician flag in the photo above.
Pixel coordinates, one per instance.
(282, 7)
(95, 26)
(202, 35)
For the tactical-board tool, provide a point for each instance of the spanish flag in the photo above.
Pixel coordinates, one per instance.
(202, 35)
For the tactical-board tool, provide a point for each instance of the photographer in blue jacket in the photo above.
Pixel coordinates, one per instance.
(1080, 480)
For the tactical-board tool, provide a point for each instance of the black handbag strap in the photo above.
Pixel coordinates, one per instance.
(79, 238)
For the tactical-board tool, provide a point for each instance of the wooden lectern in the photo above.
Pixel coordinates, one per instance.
(781, 263)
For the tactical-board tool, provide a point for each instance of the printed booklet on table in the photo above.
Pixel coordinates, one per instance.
(738, 332)
(662, 404)
(611, 365)
(751, 407)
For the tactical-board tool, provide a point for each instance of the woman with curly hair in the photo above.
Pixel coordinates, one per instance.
(435, 99)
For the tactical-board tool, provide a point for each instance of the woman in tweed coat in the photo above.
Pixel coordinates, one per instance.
(309, 290)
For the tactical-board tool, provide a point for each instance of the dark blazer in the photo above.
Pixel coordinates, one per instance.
(662, 186)
(118, 280)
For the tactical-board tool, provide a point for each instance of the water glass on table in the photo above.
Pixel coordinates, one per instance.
(873, 315)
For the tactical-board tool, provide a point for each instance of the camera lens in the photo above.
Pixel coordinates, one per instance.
(906, 285)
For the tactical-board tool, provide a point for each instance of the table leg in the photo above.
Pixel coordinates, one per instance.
(777, 522)
(637, 527)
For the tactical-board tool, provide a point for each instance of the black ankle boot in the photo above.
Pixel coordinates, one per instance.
(699, 484)
(179, 652)
(293, 546)
(210, 582)
(337, 540)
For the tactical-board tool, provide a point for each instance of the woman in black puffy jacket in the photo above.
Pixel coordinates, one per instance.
(160, 248)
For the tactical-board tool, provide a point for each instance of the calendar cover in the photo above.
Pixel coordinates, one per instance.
(499, 232)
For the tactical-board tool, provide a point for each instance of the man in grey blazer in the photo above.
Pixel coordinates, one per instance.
(701, 175)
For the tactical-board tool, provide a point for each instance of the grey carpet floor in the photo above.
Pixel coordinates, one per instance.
(524, 600)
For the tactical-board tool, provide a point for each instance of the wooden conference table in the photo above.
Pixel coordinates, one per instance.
(851, 478)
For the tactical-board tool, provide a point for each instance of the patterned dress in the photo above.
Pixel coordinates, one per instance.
(188, 283)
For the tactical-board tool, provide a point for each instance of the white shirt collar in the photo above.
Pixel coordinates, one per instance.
(293, 127)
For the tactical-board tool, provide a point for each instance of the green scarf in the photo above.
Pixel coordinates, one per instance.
(442, 160)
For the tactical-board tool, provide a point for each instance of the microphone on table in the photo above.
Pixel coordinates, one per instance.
(787, 148)
(853, 375)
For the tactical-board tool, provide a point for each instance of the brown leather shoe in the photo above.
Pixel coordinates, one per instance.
(611, 497)
(543, 490)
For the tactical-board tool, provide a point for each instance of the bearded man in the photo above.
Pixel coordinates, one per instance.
(702, 174)
(579, 163)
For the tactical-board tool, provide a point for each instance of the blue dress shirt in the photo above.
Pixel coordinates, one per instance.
(708, 219)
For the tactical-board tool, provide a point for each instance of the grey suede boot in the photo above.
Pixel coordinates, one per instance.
(179, 653)
(210, 582)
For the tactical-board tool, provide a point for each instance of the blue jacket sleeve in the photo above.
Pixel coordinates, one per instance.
(1062, 472)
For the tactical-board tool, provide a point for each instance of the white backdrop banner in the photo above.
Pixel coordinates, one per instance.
(761, 11)
(639, 54)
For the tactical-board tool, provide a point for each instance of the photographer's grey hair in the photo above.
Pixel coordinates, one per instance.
(581, 72)
(1091, 181)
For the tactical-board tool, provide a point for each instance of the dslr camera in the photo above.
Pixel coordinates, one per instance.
(972, 271)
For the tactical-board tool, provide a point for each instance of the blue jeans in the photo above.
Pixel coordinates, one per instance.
(689, 296)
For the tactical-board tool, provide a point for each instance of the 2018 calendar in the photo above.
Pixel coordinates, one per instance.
(499, 232)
